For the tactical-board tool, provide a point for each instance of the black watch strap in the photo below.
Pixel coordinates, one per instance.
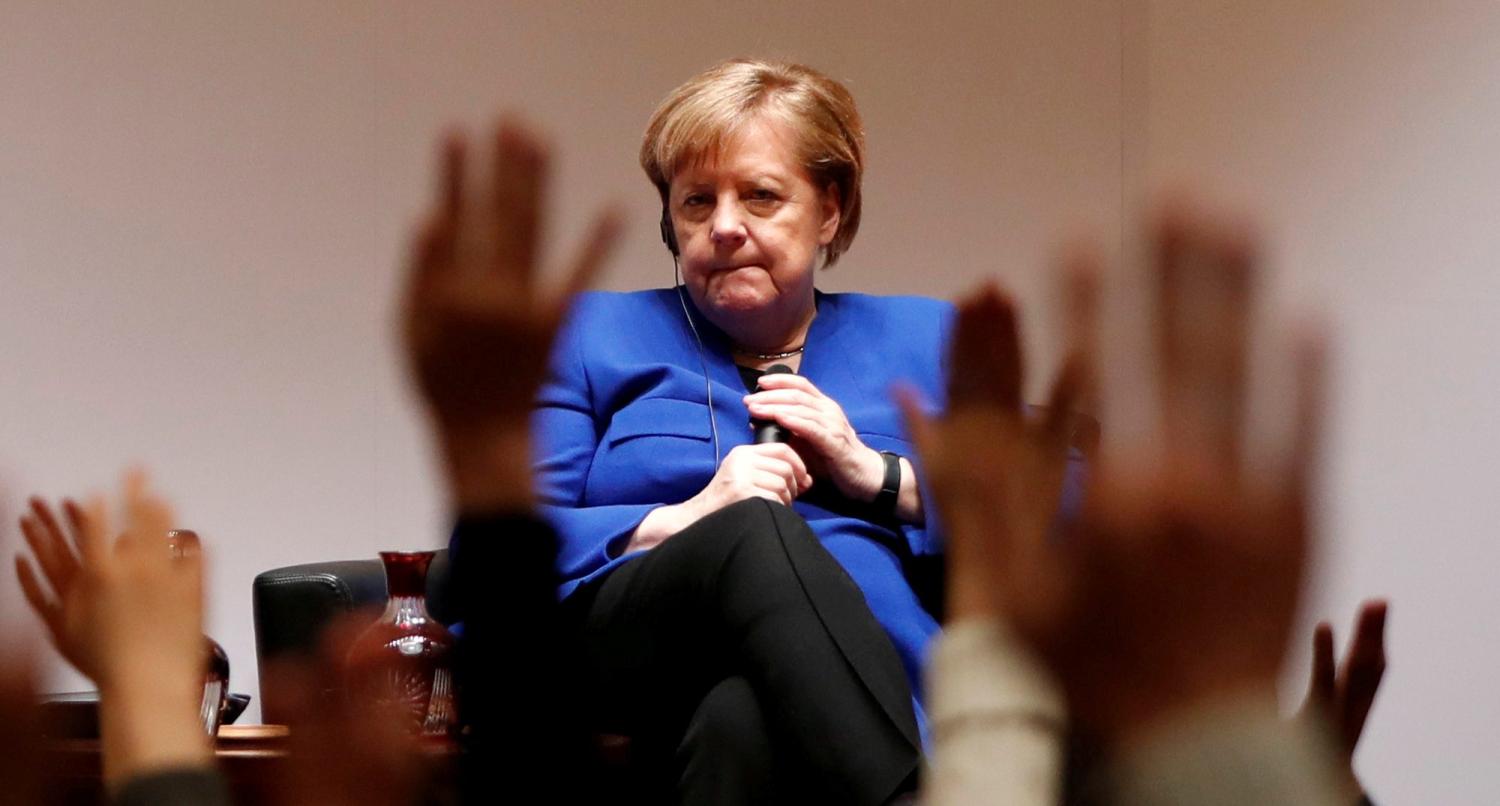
(890, 487)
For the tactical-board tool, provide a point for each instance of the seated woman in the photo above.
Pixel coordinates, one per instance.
(743, 609)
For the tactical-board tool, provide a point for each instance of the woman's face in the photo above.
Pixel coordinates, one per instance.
(749, 223)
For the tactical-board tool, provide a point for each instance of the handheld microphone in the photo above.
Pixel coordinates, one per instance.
(770, 430)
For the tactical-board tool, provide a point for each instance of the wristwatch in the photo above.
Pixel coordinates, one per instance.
(890, 487)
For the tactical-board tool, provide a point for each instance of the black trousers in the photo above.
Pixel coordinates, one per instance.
(747, 668)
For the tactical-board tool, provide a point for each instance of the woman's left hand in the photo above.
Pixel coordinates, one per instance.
(818, 423)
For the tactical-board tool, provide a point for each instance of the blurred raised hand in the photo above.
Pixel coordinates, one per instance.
(1177, 585)
(477, 326)
(343, 753)
(54, 558)
(996, 468)
(1340, 695)
(128, 612)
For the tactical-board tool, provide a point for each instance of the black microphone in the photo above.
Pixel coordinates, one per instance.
(769, 430)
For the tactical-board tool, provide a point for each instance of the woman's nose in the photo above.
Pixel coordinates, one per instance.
(728, 228)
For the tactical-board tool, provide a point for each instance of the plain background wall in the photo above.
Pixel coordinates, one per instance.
(203, 211)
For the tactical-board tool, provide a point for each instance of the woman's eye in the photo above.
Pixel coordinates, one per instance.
(695, 200)
(761, 194)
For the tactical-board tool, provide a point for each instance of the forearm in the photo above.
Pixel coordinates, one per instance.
(149, 722)
(660, 524)
(504, 566)
(997, 721)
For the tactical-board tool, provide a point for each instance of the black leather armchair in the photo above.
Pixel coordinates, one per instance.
(295, 604)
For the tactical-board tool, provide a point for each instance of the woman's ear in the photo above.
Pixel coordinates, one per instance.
(832, 203)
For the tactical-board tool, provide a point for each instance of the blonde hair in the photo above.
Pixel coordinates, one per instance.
(708, 111)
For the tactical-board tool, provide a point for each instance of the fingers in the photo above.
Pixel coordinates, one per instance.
(1068, 392)
(1082, 276)
(93, 534)
(811, 416)
(598, 245)
(772, 471)
(787, 396)
(782, 460)
(152, 547)
(47, 544)
(1362, 672)
(793, 402)
(788, 381)
(77, 521)
(1076, 386)
(454, 154)
(1369, 630)
(436, 242)
(1320, 689)
(148, 517)
(778, 486)
(810, 429)
(815, 426)
(1203, 280)
(31, 587)
(48, 521)
(184, 543)
(986, 353)
(132, 505)
(519, 190)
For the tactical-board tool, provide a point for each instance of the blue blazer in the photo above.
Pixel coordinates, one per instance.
(622, 427)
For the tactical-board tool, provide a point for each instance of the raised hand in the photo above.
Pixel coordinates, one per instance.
(1191, 564)
(996, 471)
(1341, 695)
(56, 553)
(129, 614)
(1178, 583)
(136, 585)
(478, 329)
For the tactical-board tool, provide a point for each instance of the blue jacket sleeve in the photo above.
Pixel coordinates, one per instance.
(929, 538)
(567, 426)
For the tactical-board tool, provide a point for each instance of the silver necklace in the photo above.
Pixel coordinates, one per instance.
(771, 356)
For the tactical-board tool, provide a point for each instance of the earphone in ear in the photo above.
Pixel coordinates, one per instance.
(668, 233)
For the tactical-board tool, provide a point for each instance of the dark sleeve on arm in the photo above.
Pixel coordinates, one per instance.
(186, 786)
(517, 670)
(501, 558)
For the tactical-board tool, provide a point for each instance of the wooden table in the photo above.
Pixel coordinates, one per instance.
(251, 757)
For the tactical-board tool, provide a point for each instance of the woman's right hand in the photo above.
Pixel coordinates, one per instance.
(772, 471)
